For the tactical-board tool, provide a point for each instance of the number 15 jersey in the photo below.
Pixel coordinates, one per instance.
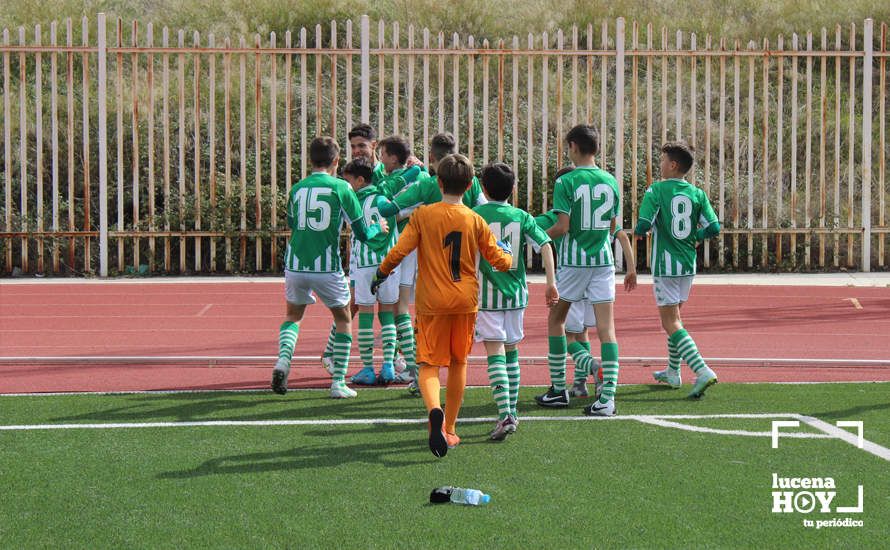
(676, 209)
(590, 197)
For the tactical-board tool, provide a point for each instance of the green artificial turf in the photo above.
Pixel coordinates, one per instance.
(588, 483)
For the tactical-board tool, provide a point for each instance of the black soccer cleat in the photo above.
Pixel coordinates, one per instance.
(279, 382)
(553, 399)
(438, 443)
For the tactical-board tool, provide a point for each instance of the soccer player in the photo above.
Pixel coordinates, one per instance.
(679, 215)
(359, 173)
(579, 320)
(317, 207)
(588, 202)
(448, 238)
(363, 143)
(503, 297)
(425, 191)
(395, 152)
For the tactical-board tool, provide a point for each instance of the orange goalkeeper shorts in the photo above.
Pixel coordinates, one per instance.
(445, 339)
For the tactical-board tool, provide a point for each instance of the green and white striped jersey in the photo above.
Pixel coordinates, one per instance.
(676, 209)
(427, 191)
(364, 254)
(317, 208)
(590, 197)
(507, 290)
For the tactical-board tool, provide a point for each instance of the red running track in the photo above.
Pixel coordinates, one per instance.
(241, 319)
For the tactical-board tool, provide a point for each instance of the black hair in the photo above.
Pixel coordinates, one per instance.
(398, 146)
(360, 167)
(498, 180)
(442, 145)
(681, 153)
(323, 151)
(363, 130)
(585, 137)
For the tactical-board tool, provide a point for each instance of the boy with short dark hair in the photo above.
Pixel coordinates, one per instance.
(448, 238)
(679, 216)
(588, 204)
(503, 297)
(366, 258)
(317, 208)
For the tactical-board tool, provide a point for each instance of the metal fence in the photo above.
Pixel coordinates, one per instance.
(176, 152)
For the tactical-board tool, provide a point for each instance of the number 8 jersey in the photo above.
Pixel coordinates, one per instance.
(676, 209)
(589, 195)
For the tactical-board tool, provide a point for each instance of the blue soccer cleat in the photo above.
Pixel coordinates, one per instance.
(387, 373)
(364, 377)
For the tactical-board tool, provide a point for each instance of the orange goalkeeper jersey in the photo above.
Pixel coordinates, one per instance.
(448, 239)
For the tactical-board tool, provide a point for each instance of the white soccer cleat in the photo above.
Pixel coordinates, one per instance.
(597, 408)
(339, 390)
(669, 376)
(328, 364)
(279, 376)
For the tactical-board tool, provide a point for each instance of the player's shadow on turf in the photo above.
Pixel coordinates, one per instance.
(671, 394)
(191, 407)
(852, 412)
(314, 456)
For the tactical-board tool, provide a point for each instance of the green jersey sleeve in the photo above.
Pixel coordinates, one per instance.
(563, 197)
(533, 232)
(547, 220)
(648, 212)
(349, 202)
(707, 216)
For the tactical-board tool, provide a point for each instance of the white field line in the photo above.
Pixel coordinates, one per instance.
(664, 421)
(834, 431)
(270, 359)
(366, 421)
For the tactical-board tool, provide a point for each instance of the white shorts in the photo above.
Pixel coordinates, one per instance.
(408, 269)
(672, 291)
(500, 326)
(581, 316)
(387, 293)
(332, 288)
(594, 284)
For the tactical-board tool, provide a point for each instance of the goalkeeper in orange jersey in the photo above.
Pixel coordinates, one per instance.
(448, 238)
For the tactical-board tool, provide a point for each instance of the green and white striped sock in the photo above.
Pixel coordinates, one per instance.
(388, 335)
(688, 350)
(513, 378)
(582, 358)
(406, 339)
(556, 361)
(609, 353)
(500, 384)
(329, 348)
(674, 359)
(342, 347)
(287, 340)
(366, 338)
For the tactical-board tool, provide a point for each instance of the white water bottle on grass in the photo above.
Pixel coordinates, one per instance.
(458, 495)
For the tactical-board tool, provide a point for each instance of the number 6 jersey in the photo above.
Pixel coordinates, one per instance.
(676, 209)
